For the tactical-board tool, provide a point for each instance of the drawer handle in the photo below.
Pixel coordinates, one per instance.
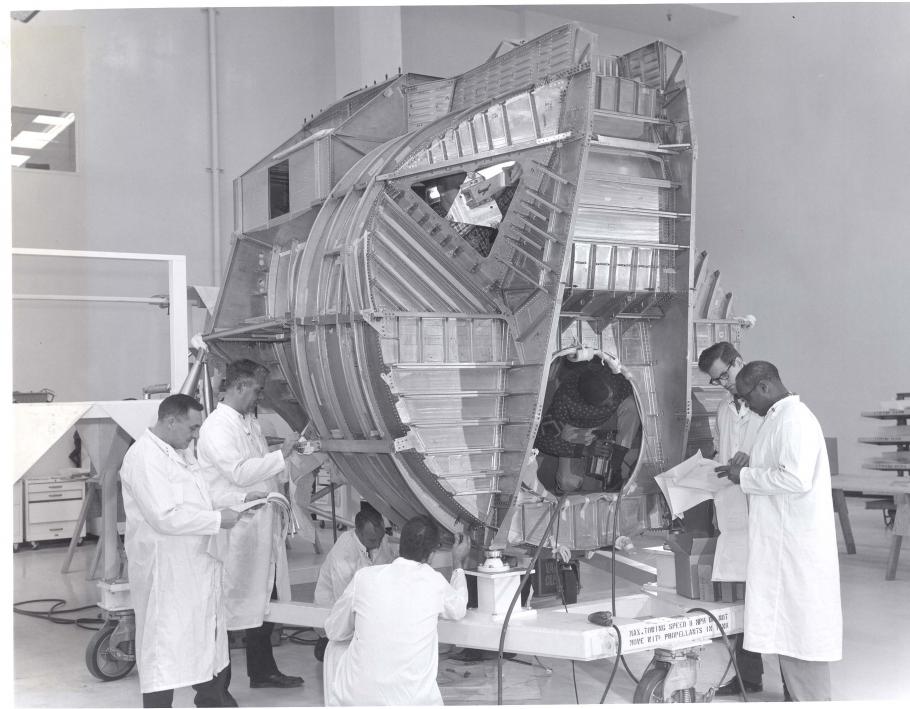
(55, 494)
(54, 487)
(55, 529)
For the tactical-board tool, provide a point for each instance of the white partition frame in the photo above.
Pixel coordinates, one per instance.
(176, 298)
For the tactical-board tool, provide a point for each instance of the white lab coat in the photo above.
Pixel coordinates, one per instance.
(346, 557)
(235, 456)
(793, 605)
(390, 613)
(175, 586)
(736, 430)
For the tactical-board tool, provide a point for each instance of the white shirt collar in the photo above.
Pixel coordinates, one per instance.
(407, 562)
(170, 451)
(781, 404)
(231, 410)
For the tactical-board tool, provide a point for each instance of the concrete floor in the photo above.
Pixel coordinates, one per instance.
(49, 659)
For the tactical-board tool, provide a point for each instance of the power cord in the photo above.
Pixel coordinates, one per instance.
(616, 513)
(739, 681)
(615, 664)
(524, 580)
(562, 597)
(53, 611)
(295, 636)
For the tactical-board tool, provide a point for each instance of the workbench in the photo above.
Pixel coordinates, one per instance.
(887, 474)
(883, 484)
(648, 620)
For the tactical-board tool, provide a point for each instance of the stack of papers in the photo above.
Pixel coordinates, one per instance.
(282, 506)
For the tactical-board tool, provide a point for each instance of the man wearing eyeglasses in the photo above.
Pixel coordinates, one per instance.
(793, 607)
(737, 425)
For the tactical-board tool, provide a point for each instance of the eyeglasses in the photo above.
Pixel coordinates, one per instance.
(724, 376)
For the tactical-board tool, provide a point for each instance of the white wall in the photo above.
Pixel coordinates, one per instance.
(138, 82)
(368, 45)
(445, 40)
(800, 113)
(799, 117)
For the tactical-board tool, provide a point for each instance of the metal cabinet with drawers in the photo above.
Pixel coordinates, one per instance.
(52, 507)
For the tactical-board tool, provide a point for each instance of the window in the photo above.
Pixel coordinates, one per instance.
(43, 140)
(279, 190)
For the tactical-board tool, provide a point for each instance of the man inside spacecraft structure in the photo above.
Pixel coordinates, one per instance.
(590, 427)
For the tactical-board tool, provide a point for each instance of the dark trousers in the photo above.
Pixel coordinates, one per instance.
(749, 663)
(260, 662)
(212, 693)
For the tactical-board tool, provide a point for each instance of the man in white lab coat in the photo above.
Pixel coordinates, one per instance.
(737, 425)
(235, 455)
(389, 615)
(365, 545)
(175, 585)
(793, 606)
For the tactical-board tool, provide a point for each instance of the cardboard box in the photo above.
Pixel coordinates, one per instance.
(690, 552)
(705, 584)
(665, 561)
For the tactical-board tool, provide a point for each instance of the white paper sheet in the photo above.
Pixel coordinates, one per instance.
(691, 482)
(694, 481)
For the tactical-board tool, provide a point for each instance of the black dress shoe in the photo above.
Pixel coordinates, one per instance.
(276, 680)
(731, 689)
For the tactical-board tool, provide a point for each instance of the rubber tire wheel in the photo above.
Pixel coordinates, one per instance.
(105, 668)
(650, 687)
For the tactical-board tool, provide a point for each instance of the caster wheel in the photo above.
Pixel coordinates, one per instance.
(650, 688)
(15, 548)
(101, 661)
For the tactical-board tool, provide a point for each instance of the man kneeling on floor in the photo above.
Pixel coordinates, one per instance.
(383, 647)
(365, 545)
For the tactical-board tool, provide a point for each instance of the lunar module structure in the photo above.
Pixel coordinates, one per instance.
(422, 264)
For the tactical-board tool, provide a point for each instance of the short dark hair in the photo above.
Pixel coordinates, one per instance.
(368, 515)
(241, 370)
(757, 371)
(419, 538)
(177, 405)
(723, 351)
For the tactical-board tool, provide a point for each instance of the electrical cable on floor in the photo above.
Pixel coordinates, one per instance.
(524, 580)
(742, 689)
(294, 637)
(53, 611)
(615, 664)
